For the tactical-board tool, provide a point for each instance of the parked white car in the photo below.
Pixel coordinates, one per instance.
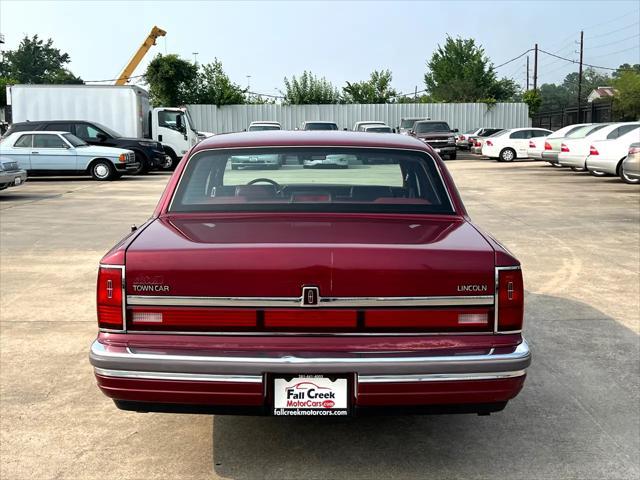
(606, 156)
(552, 142)
(507, 145)
(574, 151)
(377, 128)
(263, 125)
(62, 153)
(359, 126)
(537, 146)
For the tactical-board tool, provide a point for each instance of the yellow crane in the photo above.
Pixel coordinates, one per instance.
(149, 42)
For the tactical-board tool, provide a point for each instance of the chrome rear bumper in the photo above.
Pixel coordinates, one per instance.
(153, 364)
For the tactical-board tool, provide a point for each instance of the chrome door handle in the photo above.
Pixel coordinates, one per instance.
(35, 153)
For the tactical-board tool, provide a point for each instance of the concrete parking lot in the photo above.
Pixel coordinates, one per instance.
(578, 238)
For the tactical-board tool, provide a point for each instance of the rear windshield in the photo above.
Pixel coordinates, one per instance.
(257, 128)
(432, 127)
(408, 122)
(379, 129)
(320, 126)
(311, 180)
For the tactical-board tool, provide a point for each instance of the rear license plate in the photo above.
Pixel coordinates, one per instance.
(311, 395)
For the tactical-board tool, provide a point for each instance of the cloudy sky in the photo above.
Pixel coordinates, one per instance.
(339, 40)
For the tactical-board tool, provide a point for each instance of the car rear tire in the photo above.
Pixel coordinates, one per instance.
(507, 155)
(627, 179)
(103, 170)
(578, 169)
(143, 164)
(597, 173)
(174, 161)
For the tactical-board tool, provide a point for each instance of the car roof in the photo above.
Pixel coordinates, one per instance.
(263, 122)
(313, 138)
(377, 122)
(377, 125)
(40, 132)
(320, 121)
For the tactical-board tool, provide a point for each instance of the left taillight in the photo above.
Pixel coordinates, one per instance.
(532, 144)
(510, 299)
(564, 148)
(109, 298)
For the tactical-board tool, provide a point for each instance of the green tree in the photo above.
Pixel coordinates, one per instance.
(590, 79)
(533, 99)
(554, 97)
(625, 66)
(309, 90)
(34, 61)
(375, 90)
(460, 71)
(172, 81)
(626, 101)
(216, 88)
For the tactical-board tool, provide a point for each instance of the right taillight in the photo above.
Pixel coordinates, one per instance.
(109, 298)
(547, 146)
(594, 151)
(510, 300)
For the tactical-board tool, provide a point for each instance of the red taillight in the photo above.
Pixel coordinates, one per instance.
(304, 319)
(564, 148)
(109, 298)
(190, 319)
(547, 146)
(594, 151)
(489, 143)
(510, 300)
(531, 144)
(632, 150)
(462, 137)
(428, 320)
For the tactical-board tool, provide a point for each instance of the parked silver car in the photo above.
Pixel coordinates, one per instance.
(10, 174)
(630, 170)
(62, 153)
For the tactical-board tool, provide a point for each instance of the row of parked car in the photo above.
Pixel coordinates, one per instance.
(603, 149)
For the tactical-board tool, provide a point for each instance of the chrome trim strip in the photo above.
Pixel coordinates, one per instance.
(438, 377)
(100, 351)
(199, 377)
(353, 302)
(124, 297)
(495, 301)
(309, 334)
(418, 150)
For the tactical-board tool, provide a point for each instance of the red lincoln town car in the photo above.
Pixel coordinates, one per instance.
(310, 288)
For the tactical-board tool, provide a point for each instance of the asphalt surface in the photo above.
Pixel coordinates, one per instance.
(578, 238)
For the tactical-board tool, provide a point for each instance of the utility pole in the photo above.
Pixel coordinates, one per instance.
(535, 68)
(580, 74)
(527, 73)
(415, 94)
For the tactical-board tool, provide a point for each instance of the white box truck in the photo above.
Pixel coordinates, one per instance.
(124, 109)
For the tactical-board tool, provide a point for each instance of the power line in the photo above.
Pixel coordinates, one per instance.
(619, 51)
(613, 31)
(615, 42)
(111, 79)
(514, 59)
(586, 64)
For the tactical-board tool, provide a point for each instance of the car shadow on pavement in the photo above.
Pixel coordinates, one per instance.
(576, 417)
